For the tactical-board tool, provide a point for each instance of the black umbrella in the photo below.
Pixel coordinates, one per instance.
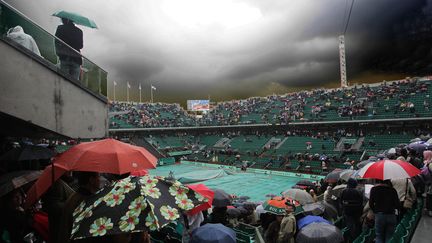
(27, 152)
(243, 211)
(363, 163)
(133, 204)
(305, 183)
(221, 198)
(330, 211)
(313, 208)
(249, 205)
(319, 233)
(16, 179)
(333, 176)
(233, 212)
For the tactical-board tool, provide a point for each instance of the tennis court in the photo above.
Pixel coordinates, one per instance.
(254, 185)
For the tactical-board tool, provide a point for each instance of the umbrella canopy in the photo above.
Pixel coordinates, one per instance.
(249, 205)
(131, 205)
(305, 221)
(76, 18)
(27, 152)
(313, 208)
(276, 205)
(221, 198)
(333, 176)
(139, 173)
(419, 146)
(346, 174)
(233, 212)
(305, 183)
(301, 196)
(319, 233)
(389, 169)
(16, 179)
(105, 156)
(330, 211)
(205, 192)
(243, 211)
(363, 163)
(213, 233)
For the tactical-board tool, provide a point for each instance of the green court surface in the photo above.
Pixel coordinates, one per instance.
(254, 185)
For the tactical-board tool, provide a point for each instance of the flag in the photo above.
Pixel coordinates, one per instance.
(153, 87)
(115, 83)
(139, 87)
(128, 85)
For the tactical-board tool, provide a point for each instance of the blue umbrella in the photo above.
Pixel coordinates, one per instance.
(213, 233)
(309, 220)
(419, 146)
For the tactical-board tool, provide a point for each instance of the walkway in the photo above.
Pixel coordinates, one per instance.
(423, 230)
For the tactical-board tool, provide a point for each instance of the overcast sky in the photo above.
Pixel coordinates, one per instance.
(192, 49)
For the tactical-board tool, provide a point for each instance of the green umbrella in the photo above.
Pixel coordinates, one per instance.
(76, 18)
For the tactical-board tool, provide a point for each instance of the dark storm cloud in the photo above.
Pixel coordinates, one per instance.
(292, 44)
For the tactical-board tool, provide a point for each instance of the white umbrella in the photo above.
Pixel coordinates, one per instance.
(303, 197)
(388, 169)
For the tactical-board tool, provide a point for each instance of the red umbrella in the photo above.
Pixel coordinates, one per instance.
(139, 173)
(389, 169)
(44, 182)
(105, 156)
(205, 192)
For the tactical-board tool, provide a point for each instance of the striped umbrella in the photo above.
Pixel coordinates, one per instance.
(389, 169)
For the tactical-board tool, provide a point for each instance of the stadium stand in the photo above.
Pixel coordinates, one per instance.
(386, 100)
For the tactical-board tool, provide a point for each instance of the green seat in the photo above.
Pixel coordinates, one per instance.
(399, 233)
(405, 237)
(243, 237)
(362, 237)
(246, 229)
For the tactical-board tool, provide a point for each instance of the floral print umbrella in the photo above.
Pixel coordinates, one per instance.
(133, 204)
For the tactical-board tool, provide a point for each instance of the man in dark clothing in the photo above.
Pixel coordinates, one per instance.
(352, 204)
(70, 59)
(384, 202)
(89, 184)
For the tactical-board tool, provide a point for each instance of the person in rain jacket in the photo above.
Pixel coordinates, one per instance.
(17, 34)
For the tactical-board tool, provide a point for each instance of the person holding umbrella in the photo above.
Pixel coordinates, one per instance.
(288, 224)
(70, 60)
(89, 184)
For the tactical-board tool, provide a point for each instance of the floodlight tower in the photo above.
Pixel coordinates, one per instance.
(344, 82)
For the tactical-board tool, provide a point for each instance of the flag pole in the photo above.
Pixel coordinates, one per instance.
(127, 92)
(115, 84)
(140, 92)
(151, 93)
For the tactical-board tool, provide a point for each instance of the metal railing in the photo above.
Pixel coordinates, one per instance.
(90, 76)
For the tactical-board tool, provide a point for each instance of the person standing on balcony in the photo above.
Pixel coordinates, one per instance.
(70, 60)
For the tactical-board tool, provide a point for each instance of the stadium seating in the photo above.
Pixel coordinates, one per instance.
(401, 99)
